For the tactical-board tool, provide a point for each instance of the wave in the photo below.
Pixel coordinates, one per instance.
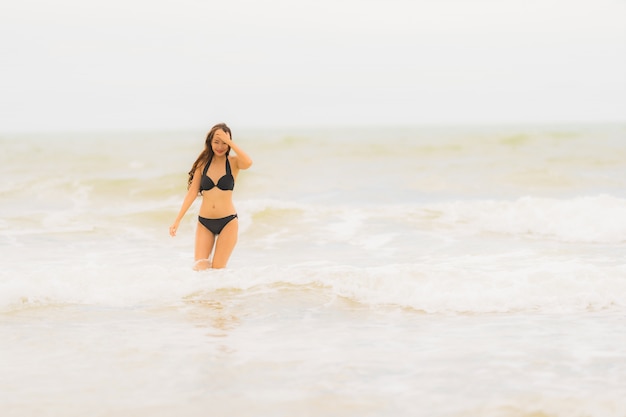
(471, 284)
(482, 256)
(600, 219)
(587, 219)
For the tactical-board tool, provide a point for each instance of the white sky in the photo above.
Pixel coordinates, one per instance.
(80, 64)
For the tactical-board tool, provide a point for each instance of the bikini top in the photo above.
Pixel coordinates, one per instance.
(227, 182)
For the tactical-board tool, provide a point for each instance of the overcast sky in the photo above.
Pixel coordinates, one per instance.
(117, 64)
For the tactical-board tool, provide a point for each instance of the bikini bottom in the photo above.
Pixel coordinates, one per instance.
(216, 225)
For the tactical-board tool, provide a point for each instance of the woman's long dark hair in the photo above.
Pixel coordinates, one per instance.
(206, 155)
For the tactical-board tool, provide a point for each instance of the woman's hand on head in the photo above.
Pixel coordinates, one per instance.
(224, 137)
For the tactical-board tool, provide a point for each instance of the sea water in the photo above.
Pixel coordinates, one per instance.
(431, 271)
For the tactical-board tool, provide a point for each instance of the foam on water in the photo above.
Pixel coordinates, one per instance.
(585, 219)
(600, 219)
(478, 256)
(472, 284)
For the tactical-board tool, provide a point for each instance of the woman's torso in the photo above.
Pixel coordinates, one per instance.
(217, 202)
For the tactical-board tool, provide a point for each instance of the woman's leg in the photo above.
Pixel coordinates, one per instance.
(205, 239)
(225, 244)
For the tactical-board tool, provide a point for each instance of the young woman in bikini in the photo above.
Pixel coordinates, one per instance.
(217, 223)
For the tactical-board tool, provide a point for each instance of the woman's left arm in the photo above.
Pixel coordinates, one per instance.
(243, 160)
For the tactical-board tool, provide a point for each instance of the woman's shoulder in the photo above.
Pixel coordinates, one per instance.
(233, 160)
(200, 168)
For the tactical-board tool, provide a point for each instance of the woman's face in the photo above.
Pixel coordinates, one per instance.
(217, 144)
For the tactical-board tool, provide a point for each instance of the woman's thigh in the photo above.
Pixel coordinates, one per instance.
(205, 239)
(225, 244)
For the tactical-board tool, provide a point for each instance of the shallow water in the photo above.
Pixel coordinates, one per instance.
(424, 271)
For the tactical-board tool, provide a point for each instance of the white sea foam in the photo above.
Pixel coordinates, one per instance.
(485, 284)
(460, 256)
(586, 219)
(599, 219)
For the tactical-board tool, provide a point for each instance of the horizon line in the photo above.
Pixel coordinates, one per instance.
(326, 126)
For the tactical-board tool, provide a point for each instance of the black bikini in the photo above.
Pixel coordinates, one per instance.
(225, 183)
(216, 225)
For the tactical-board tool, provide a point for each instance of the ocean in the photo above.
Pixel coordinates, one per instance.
(389, 271)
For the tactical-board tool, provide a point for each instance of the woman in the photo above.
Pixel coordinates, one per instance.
(213, 176)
